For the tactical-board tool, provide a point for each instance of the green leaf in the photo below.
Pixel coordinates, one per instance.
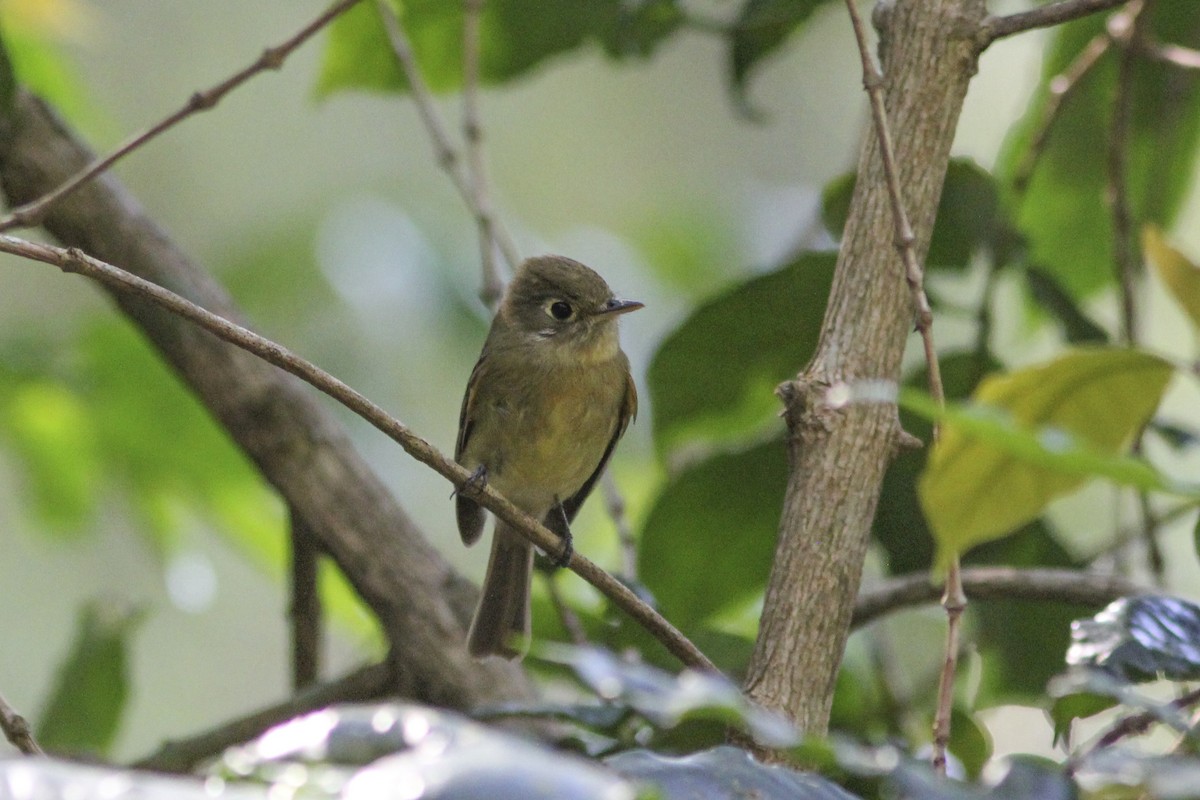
(1178, 273)
(760, 28)
(515, 37)
(84, 710)
(1033, 435)
(1063, 212)
(969, 219)
(710, 537)
(713, 378)
(52, 432)
(1077, 705)
(969, 742)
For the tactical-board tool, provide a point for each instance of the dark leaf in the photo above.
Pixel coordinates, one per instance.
(713, 377)
(1078, 705)
(83, 713)
(1077, 327)
(970, 742)
(760, 28)
(1140, 639)
(1092, 681)
(723, 773)
(370, 750)
(710, 537)
(666, 700)
(969, 218)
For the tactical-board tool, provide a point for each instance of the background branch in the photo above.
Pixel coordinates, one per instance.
(994, 28)
(305, 609)
(34, 211)
(997, 583)
(16, 730)
(423, 605)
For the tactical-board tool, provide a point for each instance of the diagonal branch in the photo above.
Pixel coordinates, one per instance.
(75, 260)
(16, 730)
(272, 58)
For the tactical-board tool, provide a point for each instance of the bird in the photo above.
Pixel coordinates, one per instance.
(546, 403)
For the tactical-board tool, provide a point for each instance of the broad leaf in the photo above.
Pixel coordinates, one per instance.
(710, 537)
(969, 217)
(713, 378)
(516, 36)
(86, 704)
(1178, 273)
(1038, 433)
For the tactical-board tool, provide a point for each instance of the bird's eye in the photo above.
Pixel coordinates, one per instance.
(560, 310)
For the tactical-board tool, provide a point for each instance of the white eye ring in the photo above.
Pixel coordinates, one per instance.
(559, 310)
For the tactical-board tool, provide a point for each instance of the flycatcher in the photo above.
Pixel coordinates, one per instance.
(546, 403)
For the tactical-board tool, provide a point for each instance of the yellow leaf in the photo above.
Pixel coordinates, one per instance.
(1180, 275)
(1088, 400)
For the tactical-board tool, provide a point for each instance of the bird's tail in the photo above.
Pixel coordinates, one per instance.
(501, 623)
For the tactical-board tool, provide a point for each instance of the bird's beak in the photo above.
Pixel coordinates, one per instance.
(615, 307)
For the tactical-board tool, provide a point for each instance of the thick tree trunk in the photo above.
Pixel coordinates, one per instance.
(423, 605)
(838, 454)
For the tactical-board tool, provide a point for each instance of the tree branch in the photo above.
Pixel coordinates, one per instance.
(305, 609)
(997, 583)
(272, 58)
(839, 452)
(993, 28)
(182, 755)
(75, 260)
(17, 731)
(422, 604)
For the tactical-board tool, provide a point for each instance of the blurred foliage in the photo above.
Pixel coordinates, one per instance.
(1062, 212)
(83, 713)
(104, 424)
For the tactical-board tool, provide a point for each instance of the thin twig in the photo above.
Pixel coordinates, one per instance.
(1139, 723)
(997, 583)
(1125, 28)
(954, 601)
(444, 150)
(17, 731)
(1060, 87)
(615, 503)
(492, 286)
(182, 755)
(74, 260)
(305, 608)
(271, 58)
(994, 28)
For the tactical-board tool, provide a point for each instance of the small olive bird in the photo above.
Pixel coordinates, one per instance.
(546, 403)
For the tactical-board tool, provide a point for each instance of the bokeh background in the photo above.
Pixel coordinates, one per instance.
(338, 234)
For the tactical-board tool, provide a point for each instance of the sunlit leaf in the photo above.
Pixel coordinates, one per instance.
(713, 377)
(1178, 273)
(87, 701)
(516, 36)
(1140, 639)
(1077, 705)
(52, 432)
(1035, 434)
